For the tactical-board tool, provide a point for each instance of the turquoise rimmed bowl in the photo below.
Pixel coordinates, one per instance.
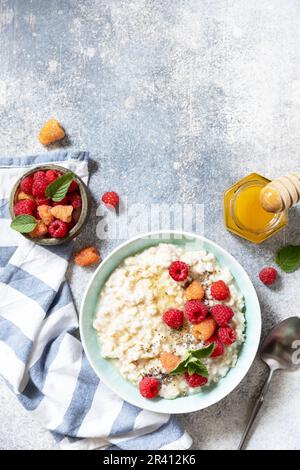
(108, 373)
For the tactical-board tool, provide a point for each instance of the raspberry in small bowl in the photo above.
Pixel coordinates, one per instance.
(42, 215)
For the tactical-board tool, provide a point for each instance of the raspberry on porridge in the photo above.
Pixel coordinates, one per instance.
(152, 326)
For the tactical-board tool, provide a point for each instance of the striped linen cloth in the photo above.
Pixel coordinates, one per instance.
(41, 357)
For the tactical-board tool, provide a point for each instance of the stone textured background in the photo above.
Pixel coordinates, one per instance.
(175, 100)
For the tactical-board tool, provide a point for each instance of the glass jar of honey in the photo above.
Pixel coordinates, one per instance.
(244, 214)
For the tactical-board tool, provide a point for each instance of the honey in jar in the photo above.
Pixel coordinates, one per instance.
(244, 214)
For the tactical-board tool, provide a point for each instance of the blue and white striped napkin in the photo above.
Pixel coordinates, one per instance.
(41, 357)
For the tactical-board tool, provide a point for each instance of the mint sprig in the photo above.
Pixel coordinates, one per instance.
(192, 363)
(288, 258)
(23, 223)
(59, 187)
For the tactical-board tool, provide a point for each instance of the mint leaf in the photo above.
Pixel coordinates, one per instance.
(59, 187)
(192, 369)
(191, 362)
(186, 357)
(180, 369)
(23, 223)
(201, 369)
(288, 258)
(203, 353)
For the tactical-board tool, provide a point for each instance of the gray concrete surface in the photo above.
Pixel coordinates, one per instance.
(175, 100)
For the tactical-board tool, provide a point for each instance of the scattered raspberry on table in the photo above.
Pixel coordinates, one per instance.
(111, 199)
(87, 256)
(268, 275)
(51, 132)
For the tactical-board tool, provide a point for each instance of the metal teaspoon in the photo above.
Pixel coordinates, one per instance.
(278, 351)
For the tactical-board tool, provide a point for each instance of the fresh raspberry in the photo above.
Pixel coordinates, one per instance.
(39, 186)
(39, 175)
(42, 201)
(111, 199)
(219, 290)
(173, 318)
(75, 200)
(195, 311)
(268, 275)
(63, 213)
(58, 229)
(194, 291)
(222, 314)
(51, 132)
(226, 335)
(52, 175)
(36, 215)
(218, 349)
(73, 186)
(63, 202)
(149, 387)
(179, 270)
(26, 184)
(205, 329)
(39, 231)
(169, 361)
(45, 214)
(195, 380)
(25, 207)
(87, 256)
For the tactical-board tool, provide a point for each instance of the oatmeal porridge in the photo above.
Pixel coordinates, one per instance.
(171, 320)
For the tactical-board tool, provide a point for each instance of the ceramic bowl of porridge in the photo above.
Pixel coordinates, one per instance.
(170, 322)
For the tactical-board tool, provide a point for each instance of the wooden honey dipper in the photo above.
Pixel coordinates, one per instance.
(281, 193)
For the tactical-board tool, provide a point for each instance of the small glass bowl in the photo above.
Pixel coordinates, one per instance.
(85, 207)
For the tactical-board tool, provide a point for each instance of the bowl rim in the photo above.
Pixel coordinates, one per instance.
(74, 232)
(149, 404)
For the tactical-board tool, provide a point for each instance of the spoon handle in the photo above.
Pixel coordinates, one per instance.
(255, 410)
